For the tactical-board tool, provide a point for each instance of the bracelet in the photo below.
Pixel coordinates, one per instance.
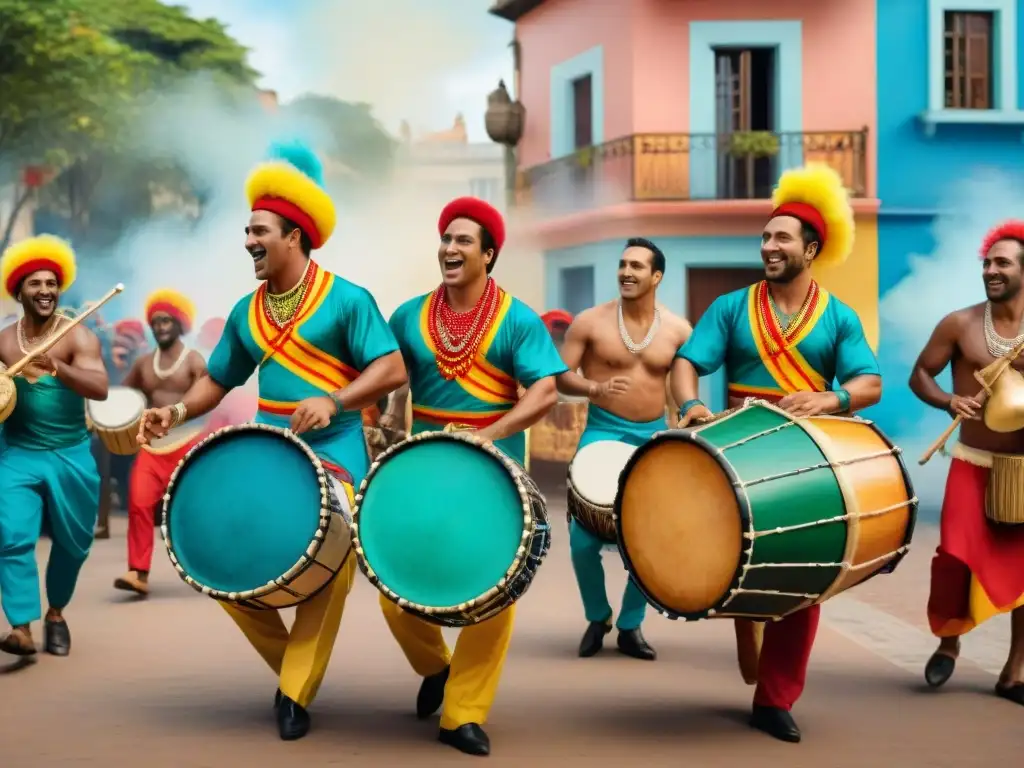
(686, 407)
(178, 414)
(336, 398)
(844, 399)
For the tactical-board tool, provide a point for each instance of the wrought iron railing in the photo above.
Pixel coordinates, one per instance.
(673, 166)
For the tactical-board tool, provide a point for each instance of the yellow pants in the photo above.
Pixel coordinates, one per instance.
(300, 657)
(475, 666)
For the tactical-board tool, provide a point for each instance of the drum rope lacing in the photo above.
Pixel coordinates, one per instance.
(164, 373)
(631, 345)
(997, 345)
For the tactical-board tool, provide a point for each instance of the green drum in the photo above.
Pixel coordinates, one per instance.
(449, 528)
(758, 514)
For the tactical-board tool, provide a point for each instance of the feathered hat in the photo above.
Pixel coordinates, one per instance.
(211, 331)
(1008, 230)
(474, 209)
(169, 302)
(815, 195)
(34, 254)
(291, 184)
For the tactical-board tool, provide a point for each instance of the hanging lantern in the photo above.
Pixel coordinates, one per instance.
(504, 119)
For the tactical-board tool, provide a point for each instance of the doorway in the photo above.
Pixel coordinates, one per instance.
(703, 286)
(745, 110)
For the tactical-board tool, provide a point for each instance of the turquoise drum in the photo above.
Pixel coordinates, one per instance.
(253, 517)
(449, 528)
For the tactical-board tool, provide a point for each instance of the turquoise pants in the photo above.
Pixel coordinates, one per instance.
(586, 548)
(64, 485)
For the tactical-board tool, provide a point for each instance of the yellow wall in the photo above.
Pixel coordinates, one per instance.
(856, 280)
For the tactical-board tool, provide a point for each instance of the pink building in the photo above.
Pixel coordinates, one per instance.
(673, 119)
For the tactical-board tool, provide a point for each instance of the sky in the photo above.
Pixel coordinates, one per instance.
(419, 60)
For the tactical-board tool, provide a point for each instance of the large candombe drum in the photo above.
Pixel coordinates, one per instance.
(449, 528)
(8, 395)
(252, 517)
(758, 514)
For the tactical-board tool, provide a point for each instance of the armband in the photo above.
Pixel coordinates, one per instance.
(844, 400)
(686, 407)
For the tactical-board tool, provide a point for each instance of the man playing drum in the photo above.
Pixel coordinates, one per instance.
(46, 463)
(467, 345)
(978, 569)
(163, 376)
(625, 381)
(323, 352)
(786, 340)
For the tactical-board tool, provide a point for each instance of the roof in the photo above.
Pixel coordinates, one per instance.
(513, 10)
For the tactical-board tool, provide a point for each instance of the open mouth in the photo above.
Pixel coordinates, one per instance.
(44, 303)
(453, 265)
(627, 281)
(258, 254)
(771, 261)
(994, 283)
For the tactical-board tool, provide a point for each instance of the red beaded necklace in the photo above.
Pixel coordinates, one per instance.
(457, 335)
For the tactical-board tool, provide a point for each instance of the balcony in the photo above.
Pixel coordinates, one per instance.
(667, 167)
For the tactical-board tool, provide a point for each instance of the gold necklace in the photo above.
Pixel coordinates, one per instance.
(282, 306)
(28, 345)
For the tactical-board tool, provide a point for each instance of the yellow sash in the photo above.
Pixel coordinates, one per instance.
(777, 348)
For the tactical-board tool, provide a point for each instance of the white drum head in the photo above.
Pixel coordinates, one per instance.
(594, 472)
(122, 408)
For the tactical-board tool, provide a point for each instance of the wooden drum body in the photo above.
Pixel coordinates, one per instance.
(8, 395)
(1004, 497)
(116, 420)
(449, 528)
(592, 482)
(758, 514)
(252, 517)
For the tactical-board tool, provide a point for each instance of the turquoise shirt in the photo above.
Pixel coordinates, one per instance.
(516, 350)
(338, 332)
(48, 416)
(825, 344)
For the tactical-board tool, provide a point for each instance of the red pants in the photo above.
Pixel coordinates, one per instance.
(150, 475)
(977, 570)
(786, 650)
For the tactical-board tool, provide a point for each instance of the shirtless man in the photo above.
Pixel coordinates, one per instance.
(976, 571)
(163, 376)
(624, 350)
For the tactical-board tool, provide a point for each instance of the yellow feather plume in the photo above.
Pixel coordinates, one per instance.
(821, 187)
(46, 250)
(281, 179)
(175, 299)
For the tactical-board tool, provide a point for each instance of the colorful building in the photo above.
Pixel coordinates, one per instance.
(673, 120)
(952, 104)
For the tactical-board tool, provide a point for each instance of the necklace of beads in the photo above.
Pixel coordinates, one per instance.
(457, 335)
(997, 345)
(281, 307)
(795, 321)
(632, 346)
(28, 345)
(168, 372)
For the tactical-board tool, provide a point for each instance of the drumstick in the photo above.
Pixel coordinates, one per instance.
(15, 369)
(996, 369)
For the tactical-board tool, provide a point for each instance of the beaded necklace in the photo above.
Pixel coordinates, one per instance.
(795, 321)
(457, 335)
(281, 307)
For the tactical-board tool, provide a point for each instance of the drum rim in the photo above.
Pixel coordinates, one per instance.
(574, 488)
(305, 560)
(516, 472)
(743, 502)
(115, 427)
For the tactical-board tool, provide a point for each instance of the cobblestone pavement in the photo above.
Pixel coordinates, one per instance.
(171, 682)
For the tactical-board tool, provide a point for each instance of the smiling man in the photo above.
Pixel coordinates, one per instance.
(162, 376)
(786, 340)
(619, 355)
(323, 352)
(47, 463)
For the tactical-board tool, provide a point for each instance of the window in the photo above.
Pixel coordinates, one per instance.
(485, 189)
(577, 289)
(968, 50)
(583, 112)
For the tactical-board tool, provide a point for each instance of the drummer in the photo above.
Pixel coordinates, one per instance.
(787, 340)
(162, 376)
(323, 352)
(468, 345)
(977, 570)
(46, 462)
(625, 382)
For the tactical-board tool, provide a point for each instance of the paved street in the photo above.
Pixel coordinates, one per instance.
(171, 682)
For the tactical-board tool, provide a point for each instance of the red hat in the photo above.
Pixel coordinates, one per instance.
(556, 319)
(169, 302)
(1008, 230)
(211, 332)
(475, 209)
(130, 329)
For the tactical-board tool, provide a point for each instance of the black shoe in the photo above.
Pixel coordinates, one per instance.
(1013, 692)
(56, 638)
(469, 738)
(593, 638)
(939, 669)
(431, 694)
(277, 698)
(292, 720)
(775, 722)
(632, 643)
